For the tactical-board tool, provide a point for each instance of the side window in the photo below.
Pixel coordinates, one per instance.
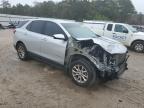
(36, 26)
(52, 28)
(21, 23)
(109, 27)
(120, 28)
(28, 26)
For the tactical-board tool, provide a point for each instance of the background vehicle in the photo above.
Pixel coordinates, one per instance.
(1, 26)
(84, 55)
(17, 24)
(11, 26)
(121, 32)
(139, 28)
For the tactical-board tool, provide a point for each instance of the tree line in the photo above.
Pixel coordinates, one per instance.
(112, 10)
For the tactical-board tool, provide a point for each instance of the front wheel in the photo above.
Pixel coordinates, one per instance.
(138, 46)
(83, 73)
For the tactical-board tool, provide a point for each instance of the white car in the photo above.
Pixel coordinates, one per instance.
(84, 55)
(121, 32)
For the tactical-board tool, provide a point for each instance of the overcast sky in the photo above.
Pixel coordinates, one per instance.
(139, 4)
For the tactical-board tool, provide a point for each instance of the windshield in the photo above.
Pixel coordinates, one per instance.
(131, 28)
(77, 30)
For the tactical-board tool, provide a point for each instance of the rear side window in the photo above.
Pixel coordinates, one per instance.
(52, 28)
(109, 27)
(36, 26)
(21, 23)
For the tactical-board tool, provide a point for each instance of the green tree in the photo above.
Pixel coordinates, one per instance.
(115, 10)
(125, 7)
(5, 4)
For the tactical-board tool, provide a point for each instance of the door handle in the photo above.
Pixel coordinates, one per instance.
(44, 39)
(25, 33)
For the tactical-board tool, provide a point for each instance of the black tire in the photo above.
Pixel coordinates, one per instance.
(91, 73)
(22, 51)
(138, 46)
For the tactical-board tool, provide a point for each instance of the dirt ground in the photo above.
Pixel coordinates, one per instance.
(33, 84)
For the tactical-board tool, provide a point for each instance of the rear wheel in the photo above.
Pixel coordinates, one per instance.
(83, 73)
(138, 46)
(21, 51)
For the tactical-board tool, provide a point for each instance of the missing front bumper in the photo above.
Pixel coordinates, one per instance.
(115, 72)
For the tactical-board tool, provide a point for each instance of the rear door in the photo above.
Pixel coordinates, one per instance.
(34, 36)
(53, 49)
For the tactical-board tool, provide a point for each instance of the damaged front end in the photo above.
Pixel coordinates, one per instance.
(108, 66)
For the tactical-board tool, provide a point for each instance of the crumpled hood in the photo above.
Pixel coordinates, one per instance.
(110, 45)
(139, 34)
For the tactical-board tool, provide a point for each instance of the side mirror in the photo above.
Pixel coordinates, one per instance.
(59, 36)
(125, 31)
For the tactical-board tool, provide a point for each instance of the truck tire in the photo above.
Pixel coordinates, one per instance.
(138, 46)
(22, 51)
(82, 73)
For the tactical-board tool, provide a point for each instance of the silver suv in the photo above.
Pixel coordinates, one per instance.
(85, 56)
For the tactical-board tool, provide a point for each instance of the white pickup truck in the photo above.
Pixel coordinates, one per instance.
(121, 32)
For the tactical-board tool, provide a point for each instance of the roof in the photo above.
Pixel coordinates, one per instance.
(56, 20)
(101, 22)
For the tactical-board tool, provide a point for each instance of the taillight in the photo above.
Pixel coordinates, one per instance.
(14, 31)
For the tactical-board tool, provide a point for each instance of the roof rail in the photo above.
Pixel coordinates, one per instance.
(96, 21)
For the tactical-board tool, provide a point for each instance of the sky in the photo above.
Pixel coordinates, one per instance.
(139, 4)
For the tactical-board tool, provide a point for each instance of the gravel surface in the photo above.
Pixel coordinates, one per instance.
(33, 84)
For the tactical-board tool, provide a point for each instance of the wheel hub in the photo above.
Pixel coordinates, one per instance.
(80, 73)
(139, 47)
(21, 52)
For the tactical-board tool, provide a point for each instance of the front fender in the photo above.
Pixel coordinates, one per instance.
(136, 38)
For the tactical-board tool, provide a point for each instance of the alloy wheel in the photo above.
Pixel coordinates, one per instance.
(139, 47)
(80, 74)
(21, 52)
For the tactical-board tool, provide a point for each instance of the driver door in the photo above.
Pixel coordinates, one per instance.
(51, 48)
(120, 33)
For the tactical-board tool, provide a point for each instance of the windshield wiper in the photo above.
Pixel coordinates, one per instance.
(98, 35)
